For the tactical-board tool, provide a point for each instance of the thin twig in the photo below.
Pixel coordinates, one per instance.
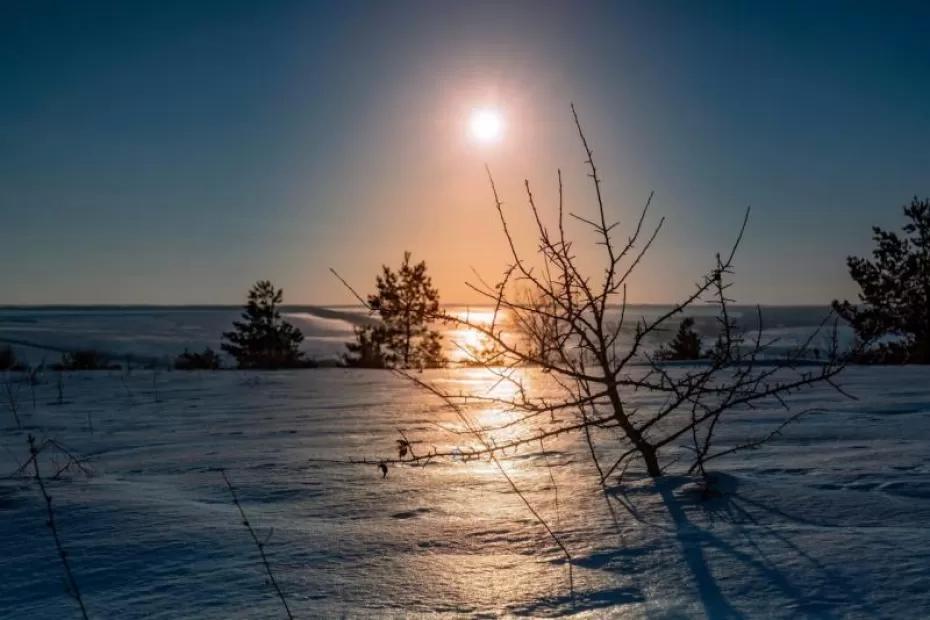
(258, 544)
(73, 590)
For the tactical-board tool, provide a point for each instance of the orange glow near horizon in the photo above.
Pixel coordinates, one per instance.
(433, 197)
(470, 343)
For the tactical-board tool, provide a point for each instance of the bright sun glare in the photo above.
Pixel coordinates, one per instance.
(486, 125)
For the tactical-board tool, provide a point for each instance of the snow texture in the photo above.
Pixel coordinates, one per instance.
(829, 521)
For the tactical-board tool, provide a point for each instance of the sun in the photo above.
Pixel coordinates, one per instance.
(486, 125)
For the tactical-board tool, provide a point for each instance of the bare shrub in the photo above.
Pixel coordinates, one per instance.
(575, 326)
(11, 396)
(71, 583)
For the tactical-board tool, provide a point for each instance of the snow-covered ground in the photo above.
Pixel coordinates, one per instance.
(831, 520)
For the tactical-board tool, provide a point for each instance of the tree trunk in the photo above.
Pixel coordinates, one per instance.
(650, 458)
(407, 343)
(645, 449)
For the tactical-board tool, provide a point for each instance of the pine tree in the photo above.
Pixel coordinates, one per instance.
(263, 339)
(894, 297)
(685, 346)
(405, 302)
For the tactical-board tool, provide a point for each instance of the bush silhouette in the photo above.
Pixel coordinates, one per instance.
(207, 360)
(84, 359)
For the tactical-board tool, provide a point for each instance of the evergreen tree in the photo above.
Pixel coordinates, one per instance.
(263, 339)
(406, 301)
(894, 297)
(368, 349)
(686, 345)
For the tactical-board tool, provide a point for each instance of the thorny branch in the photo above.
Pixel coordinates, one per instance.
(259, 544)
(575, 329)
(72, 586)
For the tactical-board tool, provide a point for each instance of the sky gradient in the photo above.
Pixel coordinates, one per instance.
(175, 153)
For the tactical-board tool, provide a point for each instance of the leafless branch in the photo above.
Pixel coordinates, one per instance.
(72, 586)
(260, 545)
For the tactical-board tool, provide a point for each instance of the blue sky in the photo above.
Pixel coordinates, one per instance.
(158, 152)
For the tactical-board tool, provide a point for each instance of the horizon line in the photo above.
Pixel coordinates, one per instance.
(58, 305)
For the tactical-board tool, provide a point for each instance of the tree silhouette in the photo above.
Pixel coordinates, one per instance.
(368, 349)
(405, 301)
(7, 358)
(894, 290)
(578, 330)
(263, 339)
(685, 346)
(573, 325)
